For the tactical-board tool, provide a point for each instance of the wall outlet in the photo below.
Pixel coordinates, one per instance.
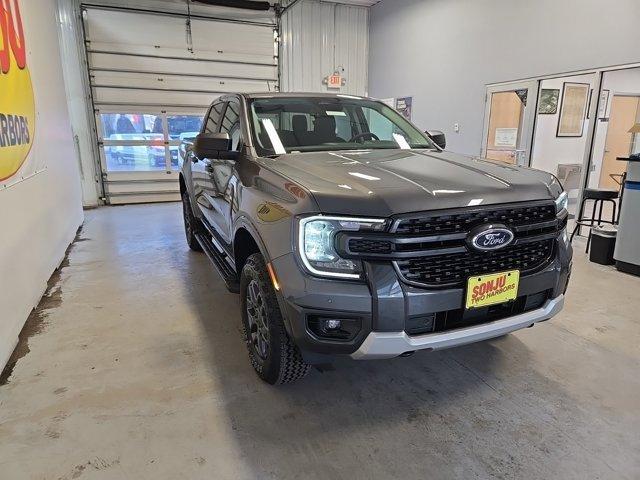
(456, 127)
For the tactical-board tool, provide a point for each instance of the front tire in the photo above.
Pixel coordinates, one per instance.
(190, 224)
(273, 355)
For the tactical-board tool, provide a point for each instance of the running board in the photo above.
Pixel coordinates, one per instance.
(219, 261)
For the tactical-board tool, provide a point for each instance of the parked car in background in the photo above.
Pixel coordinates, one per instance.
(157, 158)
(180, 124)
(132, 155)
(179, 127)
(348, 231)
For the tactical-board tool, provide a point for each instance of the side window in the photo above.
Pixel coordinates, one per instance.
(213, 118)
(231, 124)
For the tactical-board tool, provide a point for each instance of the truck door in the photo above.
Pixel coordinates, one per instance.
(200, 168)
(222, 174)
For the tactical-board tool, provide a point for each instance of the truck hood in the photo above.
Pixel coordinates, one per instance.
(381, 183)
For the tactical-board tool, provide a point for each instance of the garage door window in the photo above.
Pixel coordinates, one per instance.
(180, 128)
(135, 157)
(183, 126)
(133, 141)
(145, 141)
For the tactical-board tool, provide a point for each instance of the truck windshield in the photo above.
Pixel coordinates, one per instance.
(309, 124)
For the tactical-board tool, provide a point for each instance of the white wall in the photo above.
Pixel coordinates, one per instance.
(549, 150)
(444, 52)
(40, 214)
(316, 39)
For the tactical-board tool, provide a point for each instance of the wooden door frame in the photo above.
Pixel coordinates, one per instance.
(528, 116)
(613, 95)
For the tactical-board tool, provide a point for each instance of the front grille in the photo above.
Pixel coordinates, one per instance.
(439, 224)
(432, 249)
(363, 245)
(454, 269)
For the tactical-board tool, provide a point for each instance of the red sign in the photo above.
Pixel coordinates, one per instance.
(334, 81)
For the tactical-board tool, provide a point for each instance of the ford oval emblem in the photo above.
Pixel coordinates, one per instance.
(492, 238)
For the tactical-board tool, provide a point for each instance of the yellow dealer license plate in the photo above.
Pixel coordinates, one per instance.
(485, 290)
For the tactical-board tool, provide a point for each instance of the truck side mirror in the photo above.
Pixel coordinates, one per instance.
(210, 145)
(438, 138)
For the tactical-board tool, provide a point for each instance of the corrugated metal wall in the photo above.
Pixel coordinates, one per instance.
(152, 65)
(317, 38)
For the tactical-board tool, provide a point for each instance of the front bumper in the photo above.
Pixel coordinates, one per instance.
(384, 306)
(391, 344)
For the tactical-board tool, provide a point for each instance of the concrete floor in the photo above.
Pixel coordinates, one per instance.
(135, 370)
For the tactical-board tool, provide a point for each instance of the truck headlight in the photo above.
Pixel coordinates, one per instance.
(562, 202)
(316, 244)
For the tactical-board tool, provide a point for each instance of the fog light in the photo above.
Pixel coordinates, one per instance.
(332, 328)
(332, 324)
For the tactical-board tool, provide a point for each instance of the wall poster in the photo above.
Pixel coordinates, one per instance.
(506, 137)
(573, 109)
(17, 105)
(403, 105)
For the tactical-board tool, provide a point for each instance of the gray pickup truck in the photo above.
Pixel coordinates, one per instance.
(348, 231)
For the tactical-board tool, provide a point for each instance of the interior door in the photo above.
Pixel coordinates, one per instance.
(509, 118)
(625, 111)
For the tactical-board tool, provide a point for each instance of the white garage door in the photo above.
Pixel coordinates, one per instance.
(151, 83)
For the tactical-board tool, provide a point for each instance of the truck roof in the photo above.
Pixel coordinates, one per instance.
(299, 95)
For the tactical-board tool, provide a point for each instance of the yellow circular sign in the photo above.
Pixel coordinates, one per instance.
(17, 105)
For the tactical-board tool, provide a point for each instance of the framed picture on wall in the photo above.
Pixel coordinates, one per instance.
(549, 101)
(572, 109)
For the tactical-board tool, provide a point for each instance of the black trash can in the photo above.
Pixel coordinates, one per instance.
(603, 244)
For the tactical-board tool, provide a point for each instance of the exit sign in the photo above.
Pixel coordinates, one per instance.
(335, 81)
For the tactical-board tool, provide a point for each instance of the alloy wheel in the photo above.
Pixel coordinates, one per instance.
(187, 218)
(258, 322)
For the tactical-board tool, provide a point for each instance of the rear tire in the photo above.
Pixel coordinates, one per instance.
(273, 355)
(190, 224)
